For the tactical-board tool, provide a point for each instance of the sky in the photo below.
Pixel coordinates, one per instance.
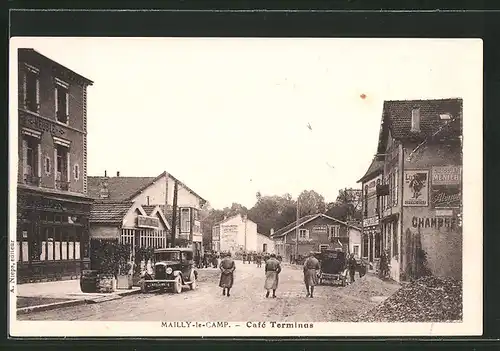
(229, 117)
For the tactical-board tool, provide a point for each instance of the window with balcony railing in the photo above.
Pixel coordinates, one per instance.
(31, 160)
(62, 160)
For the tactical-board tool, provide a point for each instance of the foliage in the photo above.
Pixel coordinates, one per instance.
(105, 252)
(347, 205)
(123, 252)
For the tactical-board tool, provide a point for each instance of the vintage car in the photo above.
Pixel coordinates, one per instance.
(174, 269)
(333, 267)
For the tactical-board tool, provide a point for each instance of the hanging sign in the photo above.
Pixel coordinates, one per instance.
(416, 188)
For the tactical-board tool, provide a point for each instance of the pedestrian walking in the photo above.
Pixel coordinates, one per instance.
(351, 266)
(259, 260)
(227, 268)
(272, 269)
(311, 266)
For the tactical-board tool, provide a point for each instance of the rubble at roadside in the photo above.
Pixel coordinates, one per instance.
(428, 299)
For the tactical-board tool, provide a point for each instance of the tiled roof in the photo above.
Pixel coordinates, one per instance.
(397, 115)
(110, 212)
(148, 209)
(292, 225)
(119, 188)
(377, 165)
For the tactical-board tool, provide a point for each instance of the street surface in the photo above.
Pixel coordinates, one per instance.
(246, 303)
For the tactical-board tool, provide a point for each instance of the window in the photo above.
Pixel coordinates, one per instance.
(323, 247)
(264, 247)
(355, 250)
(303, 234)
(61, 168)
(32, 89)
(396, 182)
(334, 231)
(47, 166)
(62, 101)
(31, 154)
(366, 201)
(185, 220)
(76, 173)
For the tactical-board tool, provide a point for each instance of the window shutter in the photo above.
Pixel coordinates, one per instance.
(307, 234)
(55, 102)
(67, 107)
(39, 161)
(68, 169)
(56, 167)
(25, 93)
(37, 92)
(25, 157)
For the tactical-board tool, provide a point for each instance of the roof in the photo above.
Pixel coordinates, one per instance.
(303, 220)
(167, 249)
(149, 208)
(126, 188)
(396, 118)
(109, 212)
(231, 217)
(28, 51)
(375, 168)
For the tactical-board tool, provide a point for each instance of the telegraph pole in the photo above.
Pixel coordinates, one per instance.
(297, 231)
(174, 214)
(166, 202)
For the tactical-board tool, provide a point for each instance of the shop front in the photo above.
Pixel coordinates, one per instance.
(52, 235)
(372, 241)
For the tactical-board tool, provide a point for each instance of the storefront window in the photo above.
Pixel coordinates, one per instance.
(22, 244)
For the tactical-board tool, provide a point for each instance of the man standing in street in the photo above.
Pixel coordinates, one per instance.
(351, 266)
(311, 266)
(259, 260)
(272, 269)
(227, 268)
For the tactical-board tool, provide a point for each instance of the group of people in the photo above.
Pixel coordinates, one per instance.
(272, 270)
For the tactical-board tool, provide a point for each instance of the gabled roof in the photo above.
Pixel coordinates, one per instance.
(396, 118)
(126, 188)
(108, 212)
(376, 167)
(228, 218)
(306, 219)
(149, 209)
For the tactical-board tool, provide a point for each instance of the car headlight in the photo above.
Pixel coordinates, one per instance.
(169, 270)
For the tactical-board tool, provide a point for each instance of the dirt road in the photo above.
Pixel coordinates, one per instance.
(246, 303)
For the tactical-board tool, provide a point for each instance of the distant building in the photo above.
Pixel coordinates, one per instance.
(316, 232)
(237, 233)
(53, 208)
(149, 192)
(264, 244)
(420, 198)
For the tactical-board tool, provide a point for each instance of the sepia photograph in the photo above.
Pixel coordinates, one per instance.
(245, 187)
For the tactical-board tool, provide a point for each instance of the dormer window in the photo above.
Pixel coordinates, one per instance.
(415, 120)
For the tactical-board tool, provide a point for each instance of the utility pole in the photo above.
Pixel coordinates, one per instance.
(174, 214)
(297, 230)
(166, 201)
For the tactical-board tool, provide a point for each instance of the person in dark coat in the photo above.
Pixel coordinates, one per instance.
(227, 268)
(384, 265)
(258, 259)
(351, 266)
(272, 269)
(311, 267)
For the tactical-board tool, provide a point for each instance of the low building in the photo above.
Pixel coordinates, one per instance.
(420, 143)
(316, 232)
(150, 192)
(235, 233)
(264, 244)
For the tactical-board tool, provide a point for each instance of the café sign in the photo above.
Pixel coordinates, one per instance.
(148, 222)
(320, 229)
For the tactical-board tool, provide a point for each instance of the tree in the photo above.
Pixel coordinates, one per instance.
(272, 212)
(347, 205)
(310, 202)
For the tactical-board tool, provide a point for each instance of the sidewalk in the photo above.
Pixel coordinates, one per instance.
(49, 295)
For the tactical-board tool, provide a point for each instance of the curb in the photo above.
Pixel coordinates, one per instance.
(72, 303)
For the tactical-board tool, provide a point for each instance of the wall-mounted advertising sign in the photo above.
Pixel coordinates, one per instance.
(367, 222)
(447, 187)
(320, 229)
(148, 222)
(416, 188)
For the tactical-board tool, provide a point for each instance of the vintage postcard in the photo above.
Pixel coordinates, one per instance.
(245, 187)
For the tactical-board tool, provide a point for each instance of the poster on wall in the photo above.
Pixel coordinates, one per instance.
(446, 187)
(416, 188)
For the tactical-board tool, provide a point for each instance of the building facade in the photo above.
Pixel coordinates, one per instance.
(265, 244)
(233, 234)
(421, 194)
(151, 191)
(53, 208)
(371, 241)
(316, 232)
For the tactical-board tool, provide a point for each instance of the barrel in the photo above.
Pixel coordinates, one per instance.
(88, 281)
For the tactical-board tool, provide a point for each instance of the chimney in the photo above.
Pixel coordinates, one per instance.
(117, 173)
(415, 120)
(105, 174)
(271, 231)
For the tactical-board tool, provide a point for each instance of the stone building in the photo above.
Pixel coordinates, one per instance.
(420, 143)
(53, 208)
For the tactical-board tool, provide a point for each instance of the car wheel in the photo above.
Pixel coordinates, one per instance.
(192, 279)
(178, 285)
